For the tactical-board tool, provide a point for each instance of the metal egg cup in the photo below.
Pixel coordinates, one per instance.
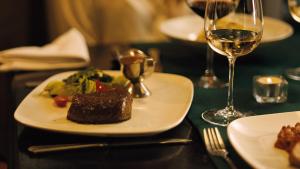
(136, 66)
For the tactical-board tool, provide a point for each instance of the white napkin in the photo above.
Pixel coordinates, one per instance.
(67, 51)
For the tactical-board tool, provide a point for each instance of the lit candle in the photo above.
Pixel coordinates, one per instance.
(272, 80)
(270, 89)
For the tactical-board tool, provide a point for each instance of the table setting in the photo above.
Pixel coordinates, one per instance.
(175, 121)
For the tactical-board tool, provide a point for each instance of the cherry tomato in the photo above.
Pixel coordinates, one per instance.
(61, 101)
(100, 87)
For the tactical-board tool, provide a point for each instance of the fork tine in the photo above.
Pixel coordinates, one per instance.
(220, 140)
(212, 139)
(214, 145)
(206, 141)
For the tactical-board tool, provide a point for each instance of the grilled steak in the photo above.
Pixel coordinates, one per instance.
(110, 106)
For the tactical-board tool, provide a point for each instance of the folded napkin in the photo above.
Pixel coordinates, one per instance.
(67, 51)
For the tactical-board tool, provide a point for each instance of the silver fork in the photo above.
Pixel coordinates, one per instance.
(215, 145)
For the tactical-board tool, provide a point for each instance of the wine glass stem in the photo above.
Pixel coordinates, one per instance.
(230, 106)
(209, 61)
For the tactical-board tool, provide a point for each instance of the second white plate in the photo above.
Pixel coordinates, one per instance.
(167, 106)
(254, 138)
(187, 28)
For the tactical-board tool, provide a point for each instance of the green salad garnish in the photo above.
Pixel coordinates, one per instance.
(82, 82)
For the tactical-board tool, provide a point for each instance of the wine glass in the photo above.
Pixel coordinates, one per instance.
(231, 35)
(294, 8)
(209, 79)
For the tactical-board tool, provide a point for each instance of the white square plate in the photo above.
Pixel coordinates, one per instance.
(254, 138)
(167, 106)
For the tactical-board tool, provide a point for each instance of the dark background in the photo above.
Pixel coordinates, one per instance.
(22, 22)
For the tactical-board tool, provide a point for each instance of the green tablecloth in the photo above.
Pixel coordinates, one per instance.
(270, 58)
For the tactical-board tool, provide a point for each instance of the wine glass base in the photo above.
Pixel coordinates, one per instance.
(293, 73)
(210, 81)
(222, 117)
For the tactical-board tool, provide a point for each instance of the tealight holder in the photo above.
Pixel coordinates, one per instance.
(270, 89)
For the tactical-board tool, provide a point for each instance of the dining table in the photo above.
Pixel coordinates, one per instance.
(176, 57)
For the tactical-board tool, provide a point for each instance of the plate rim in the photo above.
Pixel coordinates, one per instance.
(195, 42)
(26, 121)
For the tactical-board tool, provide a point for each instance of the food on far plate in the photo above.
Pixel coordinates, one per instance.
(295, 155)
(288, 139)
(113, 105)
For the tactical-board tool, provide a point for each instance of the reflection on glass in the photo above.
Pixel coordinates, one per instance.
(294, 8)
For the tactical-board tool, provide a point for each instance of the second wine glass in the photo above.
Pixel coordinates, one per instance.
(232, 31)
(209, 79)
(294, 8)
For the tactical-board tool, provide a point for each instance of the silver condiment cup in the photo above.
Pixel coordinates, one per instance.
(136, 66)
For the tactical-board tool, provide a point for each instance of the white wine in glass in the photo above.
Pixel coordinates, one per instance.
(233, 42)
(294, 8)
(236, 34)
